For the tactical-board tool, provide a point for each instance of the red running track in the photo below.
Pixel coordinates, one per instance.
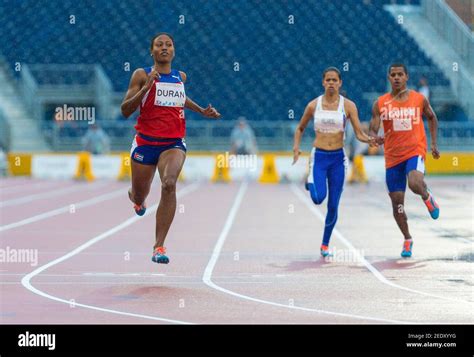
(240, 253)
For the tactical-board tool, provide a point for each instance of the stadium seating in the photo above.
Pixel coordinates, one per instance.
(280, 63)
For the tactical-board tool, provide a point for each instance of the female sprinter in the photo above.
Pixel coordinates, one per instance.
(159, 142)
(327, 160)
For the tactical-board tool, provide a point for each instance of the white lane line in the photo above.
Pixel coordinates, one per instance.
(207, 276)
(26, 281)
(16, 181)
(64, 209)
(43, 184)
(48, 194)
(306, 200)
(98, 274)
(118, 274)
(162, 283)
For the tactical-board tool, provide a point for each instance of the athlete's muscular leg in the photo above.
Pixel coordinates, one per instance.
(142, 177)
(169, 166)
(417, 184)
(398, 206)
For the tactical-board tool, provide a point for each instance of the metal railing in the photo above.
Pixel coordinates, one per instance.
(96, 88)
(212, 135)
(451, 28)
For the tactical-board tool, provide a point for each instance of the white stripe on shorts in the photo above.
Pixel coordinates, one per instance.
(311, 164)
(134, 144)
(420, 165)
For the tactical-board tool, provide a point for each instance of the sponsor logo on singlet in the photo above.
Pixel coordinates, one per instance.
(403, 118)
(329, 121)
(170, 94)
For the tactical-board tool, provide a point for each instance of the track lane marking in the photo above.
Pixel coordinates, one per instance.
(48, 194)
(26, 280)
(61, 210)
(306, 200)
(207, 276)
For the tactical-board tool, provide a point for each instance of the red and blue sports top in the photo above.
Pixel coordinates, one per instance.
(162, 108)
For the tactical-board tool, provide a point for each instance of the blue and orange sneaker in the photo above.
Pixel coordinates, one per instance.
(159, 256)
(407, 247)
(432, 206)
(325, 251)
(139, 210)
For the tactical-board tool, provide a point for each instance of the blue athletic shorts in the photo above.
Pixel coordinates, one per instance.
(150, 154)
(396, 176)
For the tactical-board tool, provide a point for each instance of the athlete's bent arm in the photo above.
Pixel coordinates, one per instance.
(307, 115)
(351, 110)
(433, 126)
(209, 112)
(374, 125)
(140, 83)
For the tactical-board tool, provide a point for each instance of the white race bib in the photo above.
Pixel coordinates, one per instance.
(402, 124)
(170, 94)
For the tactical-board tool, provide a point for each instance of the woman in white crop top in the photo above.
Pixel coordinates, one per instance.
(328, 161)
(329, 127)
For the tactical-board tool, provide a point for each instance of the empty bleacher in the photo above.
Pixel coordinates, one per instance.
(258, 59)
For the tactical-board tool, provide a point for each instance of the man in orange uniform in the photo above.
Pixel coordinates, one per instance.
(405, 145)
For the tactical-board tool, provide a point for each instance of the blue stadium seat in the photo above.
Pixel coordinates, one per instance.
(280, 63)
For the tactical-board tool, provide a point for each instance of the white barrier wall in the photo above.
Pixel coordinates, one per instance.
(202, 168)
(197, 167)
(105, 166)
(54, 166)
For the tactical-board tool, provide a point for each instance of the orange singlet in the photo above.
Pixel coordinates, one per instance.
(403, 127)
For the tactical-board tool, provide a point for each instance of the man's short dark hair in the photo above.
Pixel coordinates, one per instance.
(398, 64)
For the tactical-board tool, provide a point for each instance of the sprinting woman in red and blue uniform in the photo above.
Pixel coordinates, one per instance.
(159, 142)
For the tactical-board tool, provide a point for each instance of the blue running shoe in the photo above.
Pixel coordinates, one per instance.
(432, 206)
(139, 210)
(407, 246)
(159, 256)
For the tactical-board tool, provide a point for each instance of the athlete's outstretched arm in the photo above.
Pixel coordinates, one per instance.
(307, 115)
(209, 112)
(374, 125)
(140, 83)
(351, 110)
(433, 125)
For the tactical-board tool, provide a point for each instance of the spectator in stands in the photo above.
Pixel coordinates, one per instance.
(242, 139)
(96, 141)
(423, 87)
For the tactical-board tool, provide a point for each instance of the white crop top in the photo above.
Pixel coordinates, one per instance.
(329, 121)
